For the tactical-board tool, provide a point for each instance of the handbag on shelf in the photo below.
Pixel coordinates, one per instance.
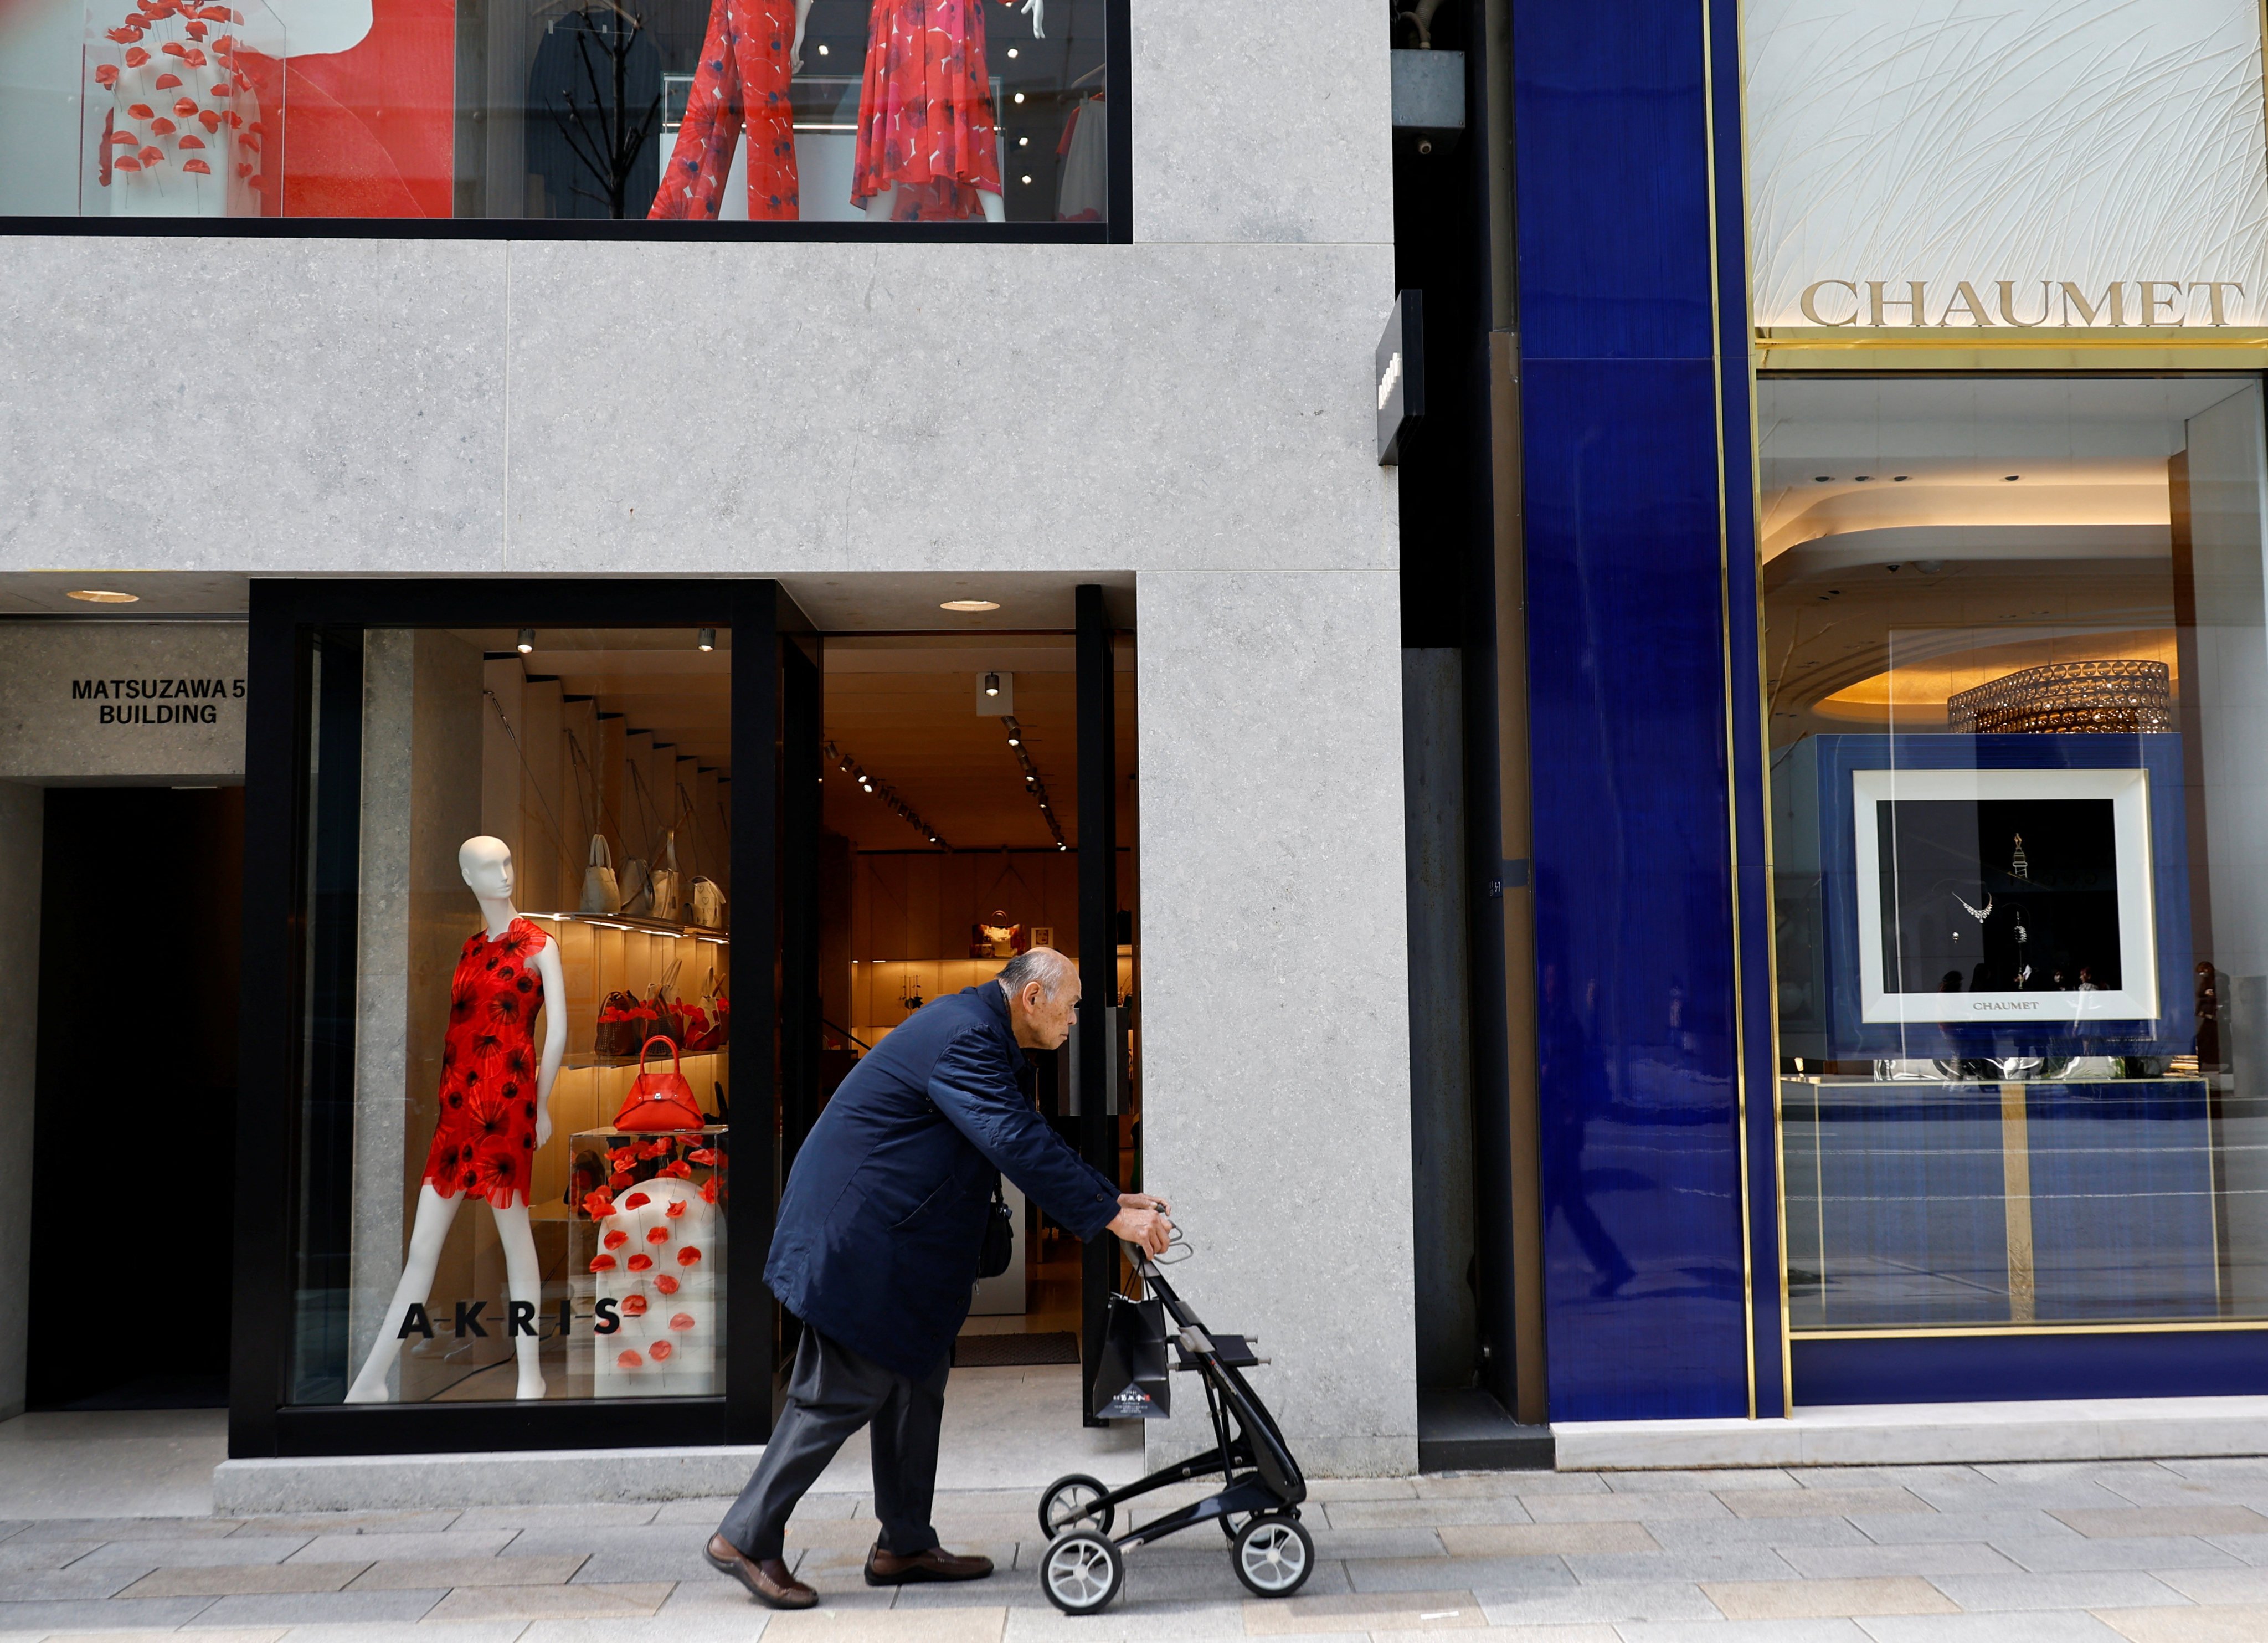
(664, 877)
(659, 1101)
(715, 1012)
(638, 889)
(601, 893)
(624, 1023)
(708, 905)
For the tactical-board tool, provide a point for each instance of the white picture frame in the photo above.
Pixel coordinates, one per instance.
(2128, 789)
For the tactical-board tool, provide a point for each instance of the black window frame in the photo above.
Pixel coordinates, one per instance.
(287, 616)
(1119, 231)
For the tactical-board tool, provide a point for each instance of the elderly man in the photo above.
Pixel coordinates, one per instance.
(876, 1250)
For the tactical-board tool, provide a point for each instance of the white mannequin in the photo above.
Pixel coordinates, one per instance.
(486, 864)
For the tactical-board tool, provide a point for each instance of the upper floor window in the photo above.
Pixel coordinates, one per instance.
(813, 111)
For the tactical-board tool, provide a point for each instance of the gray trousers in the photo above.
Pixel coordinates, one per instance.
(831, 1393)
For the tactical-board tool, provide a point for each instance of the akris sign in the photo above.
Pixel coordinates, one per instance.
(2026, 305)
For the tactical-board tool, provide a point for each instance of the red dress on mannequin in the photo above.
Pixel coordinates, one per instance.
(742, 82)
(925, 124)
(486, 1140)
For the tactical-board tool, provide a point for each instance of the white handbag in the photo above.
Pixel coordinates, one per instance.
(665, 881)
(708, 905)
(601, 893)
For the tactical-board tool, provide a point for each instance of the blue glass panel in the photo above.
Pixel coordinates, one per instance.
(2006, 1368)
(2122, 1200)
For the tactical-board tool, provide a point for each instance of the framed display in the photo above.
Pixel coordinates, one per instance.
(1986, 896)
(1962, 919)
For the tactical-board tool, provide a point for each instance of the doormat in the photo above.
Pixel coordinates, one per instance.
(1004, 1352)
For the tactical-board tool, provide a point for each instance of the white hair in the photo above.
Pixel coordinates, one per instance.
(1044, 965)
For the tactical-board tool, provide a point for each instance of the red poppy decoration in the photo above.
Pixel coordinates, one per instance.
(643, 1262)
(598, 1206)
(629, 1360)
(676, 1208)
(620, 1179)
(690, 1254)
(681, 1320)
(665, 1284)
(634, 1306)
(637, 1201)
(657, 1234)
(708, 1190)
(659, 1351)
(682, 1170)
(703, 1155)
(602, 1264)
(616, 1239)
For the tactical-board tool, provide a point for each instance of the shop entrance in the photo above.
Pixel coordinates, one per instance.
(959, 826)
(134, 1132)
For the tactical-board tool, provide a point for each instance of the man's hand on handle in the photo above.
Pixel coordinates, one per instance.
(1141, 1221)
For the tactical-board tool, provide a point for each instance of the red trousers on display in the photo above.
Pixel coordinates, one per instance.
(741, 84)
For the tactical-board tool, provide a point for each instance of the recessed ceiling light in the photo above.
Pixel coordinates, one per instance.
(2011, 478)
(1862, 478)
(1900, 479)
(970, 604)
(104, 596)
(1822, 479)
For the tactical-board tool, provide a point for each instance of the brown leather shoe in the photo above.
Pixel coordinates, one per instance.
(888, 1568)
(767, 1580)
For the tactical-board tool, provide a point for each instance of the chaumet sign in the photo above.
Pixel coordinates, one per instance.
(2057, 303)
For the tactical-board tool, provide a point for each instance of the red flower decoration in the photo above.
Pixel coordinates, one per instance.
(681, 1320)
(602, 1264)
(708, 1190)
(690, 1254)
(659, 1351)
(598, 1206)
(616, 1239)
(629, 1360)
(665, 1284)
(682, 1170)
(643, 1263)
(620, 1179)
(703, 1155)
(657, 1234)
(634, 1306)
(676, 1208)
(637, 1201)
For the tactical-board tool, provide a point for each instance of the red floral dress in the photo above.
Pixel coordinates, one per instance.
(742, 82)
(486, 1140)
(926, 122)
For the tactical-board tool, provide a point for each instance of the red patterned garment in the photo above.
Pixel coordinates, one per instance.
(926, 122)
(486, 1140)
(741, 83)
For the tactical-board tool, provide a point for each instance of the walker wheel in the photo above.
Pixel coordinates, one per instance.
(1274, 1556)
(1081, 1572)
(1076, 1502)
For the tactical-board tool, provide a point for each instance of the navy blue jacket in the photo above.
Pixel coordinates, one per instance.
(882, 1223)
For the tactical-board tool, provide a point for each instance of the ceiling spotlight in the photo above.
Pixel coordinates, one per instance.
(1900, 479)
(991, 684)
(970, 604)
(527, 640)
(2011, 478)
(1015, 741)
(1862, 478)
(1061, 846)
(103, 596)
(706, 639)
(1822, 479)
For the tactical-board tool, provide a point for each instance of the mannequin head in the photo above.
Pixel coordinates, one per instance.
(486, 864)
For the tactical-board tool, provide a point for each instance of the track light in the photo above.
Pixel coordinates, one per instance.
(527, 640)
(1015, 741)
(991, 684)
(706, 639)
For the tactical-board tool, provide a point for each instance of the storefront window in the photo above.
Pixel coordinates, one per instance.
(516, 1140)
(840, 111)
(2017, 681)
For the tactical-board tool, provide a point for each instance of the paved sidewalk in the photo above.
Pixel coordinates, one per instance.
(2152, 1552)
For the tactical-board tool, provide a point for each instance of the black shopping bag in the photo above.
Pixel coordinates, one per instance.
(1130, 1374)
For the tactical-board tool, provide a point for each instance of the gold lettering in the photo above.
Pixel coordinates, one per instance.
(2009, 305)
(1965, 298)
(2213, 288)
(2151, 302)
(1876, 302)
(2115, 299)
(1810, 301)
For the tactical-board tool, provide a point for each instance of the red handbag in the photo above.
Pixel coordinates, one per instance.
(659, 1101)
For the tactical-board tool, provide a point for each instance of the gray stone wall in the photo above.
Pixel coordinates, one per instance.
(139, 701)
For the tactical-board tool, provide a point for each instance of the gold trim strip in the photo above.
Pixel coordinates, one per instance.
(2016, 1199)
(2162, 348)
(1970, 340)
(2200, 1327)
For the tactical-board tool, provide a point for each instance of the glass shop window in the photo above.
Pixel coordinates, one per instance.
(2017, 676)
(516, 1133)
(695, 110)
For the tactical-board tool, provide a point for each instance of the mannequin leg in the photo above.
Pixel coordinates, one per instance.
(995, 210)
(523, 1277)
(427, 1234)
(879, 208)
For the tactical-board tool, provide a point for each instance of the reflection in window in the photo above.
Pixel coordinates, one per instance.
(2017, 674)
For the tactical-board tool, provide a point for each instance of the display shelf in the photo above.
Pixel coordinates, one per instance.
(650, 926)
